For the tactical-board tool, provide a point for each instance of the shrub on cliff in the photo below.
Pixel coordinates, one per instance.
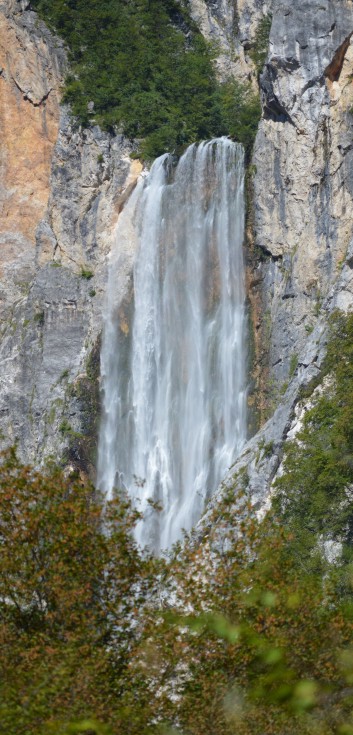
(241, 111)
(314, 493)
(147, 70)
(259, 49)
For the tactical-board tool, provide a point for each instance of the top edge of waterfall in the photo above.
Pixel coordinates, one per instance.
(199, 146)
(222, 141)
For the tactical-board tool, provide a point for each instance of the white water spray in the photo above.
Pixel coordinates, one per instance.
(173, 370)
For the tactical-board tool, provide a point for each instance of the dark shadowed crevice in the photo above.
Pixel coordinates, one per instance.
(272, 107)
(333, 70)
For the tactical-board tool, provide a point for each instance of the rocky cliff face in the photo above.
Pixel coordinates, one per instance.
(62, 189)
(232, 26)
(302, 169)
(31, 65)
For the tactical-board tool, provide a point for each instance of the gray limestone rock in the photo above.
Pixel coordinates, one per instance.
(232, 27)
(53, 268)
(54, 330)
(303, 162)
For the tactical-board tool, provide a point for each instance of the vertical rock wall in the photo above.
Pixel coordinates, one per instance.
(302, 176)
(60, 194)
(31, 67)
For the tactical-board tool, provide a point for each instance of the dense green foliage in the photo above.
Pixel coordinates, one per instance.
(71, 593)
(148, 71)
(268, 646)
(241, 112)
(314, 495)
(233, 638)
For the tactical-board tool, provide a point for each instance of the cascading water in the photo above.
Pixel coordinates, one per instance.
(174, 403)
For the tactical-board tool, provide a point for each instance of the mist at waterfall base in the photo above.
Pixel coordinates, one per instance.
(173, 353)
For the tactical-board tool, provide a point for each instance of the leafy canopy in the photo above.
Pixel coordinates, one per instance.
(231, 635)
(72, 588)
(148, 71)
(251, 644)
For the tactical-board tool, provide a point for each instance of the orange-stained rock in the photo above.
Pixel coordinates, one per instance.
(30, 82)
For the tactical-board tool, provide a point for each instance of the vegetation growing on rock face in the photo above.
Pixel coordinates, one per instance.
(314, 494)
(233, 635)
(259, 50)
(143, 67)
(241, 112)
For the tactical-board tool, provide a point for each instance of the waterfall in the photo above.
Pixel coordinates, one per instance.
(173, 354)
